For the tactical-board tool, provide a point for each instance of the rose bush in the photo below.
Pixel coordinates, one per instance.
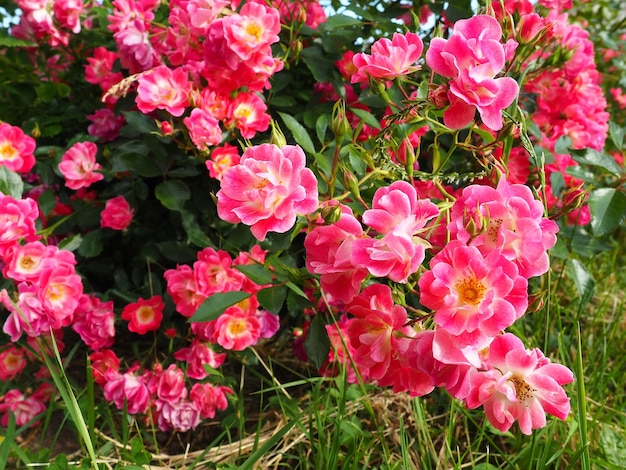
(216, 173)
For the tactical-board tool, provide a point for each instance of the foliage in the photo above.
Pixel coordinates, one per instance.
(216, 189)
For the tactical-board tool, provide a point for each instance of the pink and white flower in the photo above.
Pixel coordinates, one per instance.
(163, 88)
(474, 296)
(222, 158)
(329, 254)
(170, 385)
(236, 329)
(252, 30)
(105, 124)
(397, 209)
(247, 112)
(401, 217)
(144, 315)
(389, 58)
(94, 322)
(180, 416)
(16, 149)
(126, 390)
(25, 408)
(204, 129)
(12, 362)
(78, 165)
(183, 288)
(519, 384)
(197, 355)
(267, 189)
(378, 333)
(209, 398)
(508, 219)
(471, 58)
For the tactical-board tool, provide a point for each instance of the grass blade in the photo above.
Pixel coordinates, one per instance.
(582, 405)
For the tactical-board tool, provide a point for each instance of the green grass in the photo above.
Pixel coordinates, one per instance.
(286, 417)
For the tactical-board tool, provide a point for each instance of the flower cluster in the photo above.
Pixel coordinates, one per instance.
(51, 21)
(471, 58)
(343, 254)
(267, 189)
(184, 176)
(162, 396)
(476, 287)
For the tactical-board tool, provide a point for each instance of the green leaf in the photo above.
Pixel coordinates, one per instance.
(458, 10)
(46, 92)
(283, 101)
(617, 134)
(71, 243)
(176, 251)
(296, 305)
(584, 282)
(317, 343)
(487, 136)
(196, 235)
(338, 21)
(299, 133)
(138, 452)
(272, 298)
(317, 62)
(613, 445)
(47, 201)
(297, 290)
(135, 156)
(602, 160)
(10, 41)
(557, 183)
(563, 144)
(320, 127)
(91, 244)
(608, 209)
(215, 305)
(8, 441)
(139, 122)
(11, 183)
(173, 194)
(60, 463)
(257, 273)
(367, 117)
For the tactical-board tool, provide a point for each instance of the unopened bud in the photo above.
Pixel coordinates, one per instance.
(277, 137)
(439, 96)
(575, 198)
(331, 213)
(166, 128)
(398, 296)
(529, 27)
(36, 132)
(339, 122)
(297, 47)
(352, 183)
(406, 153)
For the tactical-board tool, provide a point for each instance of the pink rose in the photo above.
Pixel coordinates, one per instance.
(163, 88)
(78, 165)
(267, 189)
(204, 129)
(16, 149)
(471, 58)
(390, 58)
(117, 214)
(519, 385)
(144, 315)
